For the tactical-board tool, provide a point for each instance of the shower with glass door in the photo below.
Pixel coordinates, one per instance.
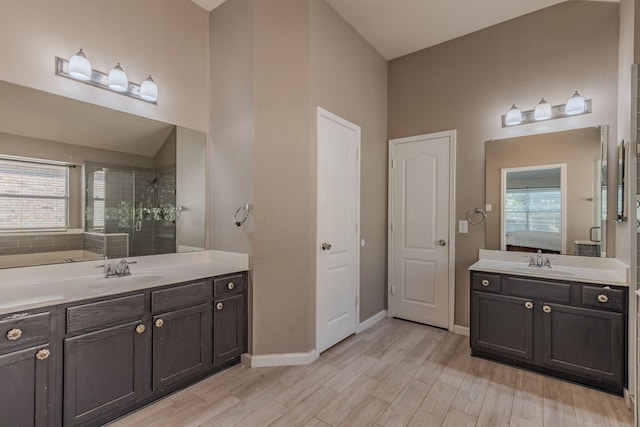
(138, 202)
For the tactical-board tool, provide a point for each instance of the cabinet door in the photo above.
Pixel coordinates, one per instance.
(502, 324)
(103, 370)
(584, 341)
(228, 328)
(24, 396)
(180, 345)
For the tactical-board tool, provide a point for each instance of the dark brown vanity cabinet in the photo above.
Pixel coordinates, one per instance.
(229, 318)
(26, 370)
(89, 362)
(181, 328)
(572, 330)
(104, 364)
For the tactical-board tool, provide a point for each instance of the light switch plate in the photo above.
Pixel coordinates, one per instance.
(463, 226)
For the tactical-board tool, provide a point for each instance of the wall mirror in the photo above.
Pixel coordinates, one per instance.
(78, 181)
(546, 192)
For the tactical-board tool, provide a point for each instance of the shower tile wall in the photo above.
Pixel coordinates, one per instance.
(142, 242)
(165, 232)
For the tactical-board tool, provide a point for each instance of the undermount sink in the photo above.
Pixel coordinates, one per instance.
(107, 283)
(538, 270)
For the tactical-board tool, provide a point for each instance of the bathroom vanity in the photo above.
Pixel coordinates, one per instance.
(113, 345)
(568, 321)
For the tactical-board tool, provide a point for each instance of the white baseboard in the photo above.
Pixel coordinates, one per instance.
(461, 330)
(283, 359)
(371, 321)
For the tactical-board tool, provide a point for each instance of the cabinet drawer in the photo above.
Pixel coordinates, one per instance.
(22, 331)
(486, 282)
(229, 285)
(540, 289)
(180, 296)
(105, 313)
(609, 299)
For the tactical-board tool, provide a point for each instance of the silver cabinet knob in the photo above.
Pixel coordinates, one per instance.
(603, 298)
(219, 306)
(140, 329)
(546, 309)
(159, 323)
(528, 304)
(485, 282)
(231, 285)
(442, 242)
(43, 354)
(14, 334)
(326, 246)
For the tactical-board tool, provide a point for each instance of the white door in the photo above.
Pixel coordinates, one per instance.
(420, 207)
(337, 229)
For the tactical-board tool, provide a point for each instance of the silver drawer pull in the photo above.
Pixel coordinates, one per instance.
(219, 306)
(14, 334)
(43, 354)
(603, 298)
(546, 309)
(485, 282)
(231, 285)
(528, 305)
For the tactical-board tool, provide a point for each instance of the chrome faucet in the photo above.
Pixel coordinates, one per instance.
(537, 262)
(120, 270)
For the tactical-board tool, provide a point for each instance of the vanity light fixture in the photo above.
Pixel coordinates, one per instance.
(118, 80)
(544, 111)
(149, 90)
(513, 116)
(79, 68)
(575, 105)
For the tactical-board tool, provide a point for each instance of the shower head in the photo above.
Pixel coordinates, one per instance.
(153, 181)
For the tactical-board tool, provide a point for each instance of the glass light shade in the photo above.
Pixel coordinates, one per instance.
(575, 105)
(149, 90)
(118, 79)
(543, 110)
(513, 117)
(80, 67)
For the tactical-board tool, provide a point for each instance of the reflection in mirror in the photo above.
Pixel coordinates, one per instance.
(532, 201)
(134, 186)
(529, 196)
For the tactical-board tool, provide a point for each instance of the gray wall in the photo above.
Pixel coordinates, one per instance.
(468, 83)
(271, 65)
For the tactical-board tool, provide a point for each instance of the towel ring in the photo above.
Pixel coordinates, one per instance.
(241, 215)
(476, 211)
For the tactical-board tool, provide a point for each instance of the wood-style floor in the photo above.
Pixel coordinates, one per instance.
(395, 373)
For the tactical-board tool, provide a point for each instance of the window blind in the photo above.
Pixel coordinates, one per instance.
(33, 196)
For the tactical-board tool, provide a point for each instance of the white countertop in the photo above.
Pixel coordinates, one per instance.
(33, 287)
(605, 271)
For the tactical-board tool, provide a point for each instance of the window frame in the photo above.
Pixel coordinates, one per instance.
(65, 197)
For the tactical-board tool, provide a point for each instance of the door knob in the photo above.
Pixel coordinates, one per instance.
(326, 246)
(442, 242)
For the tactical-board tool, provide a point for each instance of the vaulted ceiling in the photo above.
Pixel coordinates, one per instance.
(399, 27)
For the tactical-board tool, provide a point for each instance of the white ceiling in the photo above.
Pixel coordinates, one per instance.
(399, 27)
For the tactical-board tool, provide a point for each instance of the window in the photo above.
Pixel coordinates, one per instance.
(533, 209)
(33, 196)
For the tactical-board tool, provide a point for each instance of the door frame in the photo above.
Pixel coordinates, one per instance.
(321, 112)
(451, 134)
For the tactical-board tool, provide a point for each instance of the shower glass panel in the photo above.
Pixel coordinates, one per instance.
(137, 202)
